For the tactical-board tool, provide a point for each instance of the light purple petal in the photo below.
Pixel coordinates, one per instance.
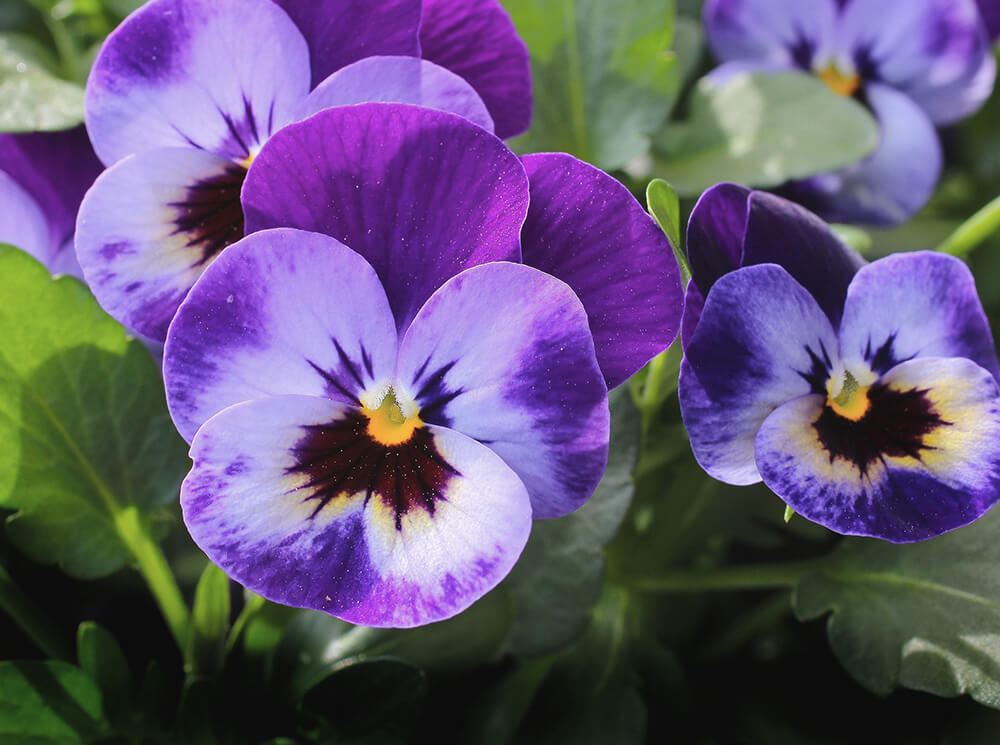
(762, 340)
(477, 40)
(937, 52)
(399, 80)
(22, 222)
(890, 185)
(268, 502)
(56, 168)
(340, 32)
(789, 32)
(503, 354)
(588, 230)
(149, 227)
(421, 194)
(921, 304)
(925, 460)
(280, 312)
(218, 75)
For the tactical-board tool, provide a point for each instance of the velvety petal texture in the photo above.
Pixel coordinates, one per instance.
(189, 73)
(420, 194)
(477, 40)
(502, 352)
(990, 11)
(281, 312)
(587, 229)
(398, 80)
(340, 32)
(264, 505)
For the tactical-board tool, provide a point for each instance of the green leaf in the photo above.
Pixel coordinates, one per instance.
(34, 99)
(88, 446)
(48, 703)
(763, 129)
(604, 78)
(664, 206)
(922, 615)
(101, 657)
(210, 618)
(201, 718)
(559, 576)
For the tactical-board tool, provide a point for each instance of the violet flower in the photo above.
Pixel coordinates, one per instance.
(915, 64)
(868, 404)
(376, 414)
(185, 92)
(43, 177)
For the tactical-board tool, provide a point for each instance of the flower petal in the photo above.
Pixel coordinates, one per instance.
(280, 312)
(421, 194)
(149, 227)
(270, 502)
(503, 353)
(399, 80)
(477, 40)
(921, 304)
(340, 32)
(588, 230)
(790, 32)
(937, 52)
(715, 233)
(924, 461)
(23, 224)
(891, 184)
(990, 11)
(762, 340)
(218, 75)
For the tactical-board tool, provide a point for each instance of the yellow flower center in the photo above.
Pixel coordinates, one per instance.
(387, 424)
(850, 400)
(839, 83)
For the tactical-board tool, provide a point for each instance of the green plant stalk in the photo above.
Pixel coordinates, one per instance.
(69, 56)
(136, 534)
(748, 577)
(973, 231)
(254, 605)
(30, 619)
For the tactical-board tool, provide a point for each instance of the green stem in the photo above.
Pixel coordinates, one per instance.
(749, 577)
(69, 58)
(135, 532)
(973, 231)
(254, 605)
(31, 620)
(661, 368)
(749, 626)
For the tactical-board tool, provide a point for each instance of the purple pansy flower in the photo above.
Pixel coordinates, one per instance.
(185, 92)
(380, 403)
(868, 403)
(43, 177)
(932, 65)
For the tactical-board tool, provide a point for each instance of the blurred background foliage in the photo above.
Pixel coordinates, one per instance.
(670, 608)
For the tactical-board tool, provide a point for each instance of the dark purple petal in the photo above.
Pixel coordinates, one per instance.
(503, 353)
(421, 194)
(340, 32)
(477, 40)
(990, 11)
(218, 75)
(56, 169)
(715, 233)
(588, 230)
(762, 340)
(280, 312)
(925, 458)
(893, 183)
(921, 304)
(937, 52)
(398, 80)
(396, 537)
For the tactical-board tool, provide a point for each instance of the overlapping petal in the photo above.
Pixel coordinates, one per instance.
(588, 230)
(23, 224)
(503, 353)
(190, 73)
(420, 194)
(924, 461)
(789, 32)
(762, 340)
(398, 80)
(921, 304)
(381, 547)
(281, 312)
(477, 40)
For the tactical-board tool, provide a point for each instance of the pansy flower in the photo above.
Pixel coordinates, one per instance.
(930, 65)
(870, 406)
(43, 177)
(990, 10)
(185, 92)
(379, 405)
